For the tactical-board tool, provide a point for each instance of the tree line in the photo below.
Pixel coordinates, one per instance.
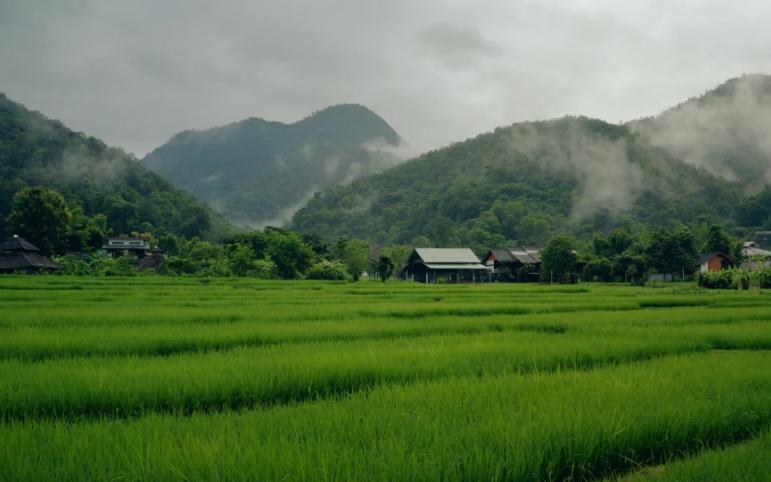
(58, 227)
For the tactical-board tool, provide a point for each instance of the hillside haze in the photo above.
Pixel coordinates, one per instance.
(707, 159)
(37, 151)
(727, 131)
(258, 172)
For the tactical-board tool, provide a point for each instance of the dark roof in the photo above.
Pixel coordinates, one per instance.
(708, 256)
(154, 261)
(501, 255)
(26, 260)
(17, 243)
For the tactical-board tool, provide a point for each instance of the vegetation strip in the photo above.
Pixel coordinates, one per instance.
(567, 425)
(749, 461)
(122, 387)
(41, 343)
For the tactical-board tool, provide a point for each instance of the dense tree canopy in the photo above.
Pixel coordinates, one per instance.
(523, 184)
(41, 216)
(99, 180)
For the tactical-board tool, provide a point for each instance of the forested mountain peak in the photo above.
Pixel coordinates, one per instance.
(258, 172)
(37, 151)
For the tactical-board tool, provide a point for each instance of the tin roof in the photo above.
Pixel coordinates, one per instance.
(447, 255)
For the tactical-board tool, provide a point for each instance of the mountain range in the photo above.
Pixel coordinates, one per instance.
(257, 172)
(707, 159)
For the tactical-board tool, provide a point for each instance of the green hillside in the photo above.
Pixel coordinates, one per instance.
(707, 159)
(258, 172)
(522, 184)
(37, 151)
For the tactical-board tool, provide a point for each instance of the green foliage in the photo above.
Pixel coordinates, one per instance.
(42, 217)
(356, 255)
(73, 265)
(288, 251)
(716, 280)
(598, 269)
(385, 268)
(764, 277)
(559, 260)
(329, 270)
(264, 269)
(241, 258)
(118, 266)
(672, 251)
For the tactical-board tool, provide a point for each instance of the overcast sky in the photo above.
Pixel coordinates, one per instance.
(135, 72)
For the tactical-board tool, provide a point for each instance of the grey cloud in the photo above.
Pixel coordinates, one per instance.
(606, 177)
(457, 45)
(134, 73)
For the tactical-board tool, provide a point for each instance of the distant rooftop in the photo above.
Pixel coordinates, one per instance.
(17, 243)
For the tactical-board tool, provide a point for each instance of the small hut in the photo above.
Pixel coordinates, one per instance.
(715, 261)
(17, 255)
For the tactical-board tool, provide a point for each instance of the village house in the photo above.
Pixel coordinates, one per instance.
(715, 261)
(451, 265)
(17, 255)
(140, 247)
(755, 257)
(520, 264)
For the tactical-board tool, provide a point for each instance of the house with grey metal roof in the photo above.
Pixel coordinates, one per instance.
(754, 257)
(519, 264)
(451, 265)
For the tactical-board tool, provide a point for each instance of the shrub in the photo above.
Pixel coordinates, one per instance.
(74, 266)
(329, 270)
(740, 279)
(722, 280)
(764, 277)
(264, 269)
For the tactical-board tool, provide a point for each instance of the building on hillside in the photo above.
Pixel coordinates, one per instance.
(520, 264)
(755, 257)
(128, 245)
(17, 255)
(715, 262)
(450, 265)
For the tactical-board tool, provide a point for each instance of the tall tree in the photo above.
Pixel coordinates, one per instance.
(385, 268)
(558, 259)
(41, 215)
(718, 240)
(292, 256)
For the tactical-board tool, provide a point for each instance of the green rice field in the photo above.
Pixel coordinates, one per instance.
(153, 378)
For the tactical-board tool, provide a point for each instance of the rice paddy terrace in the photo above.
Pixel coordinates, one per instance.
(156, 378)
